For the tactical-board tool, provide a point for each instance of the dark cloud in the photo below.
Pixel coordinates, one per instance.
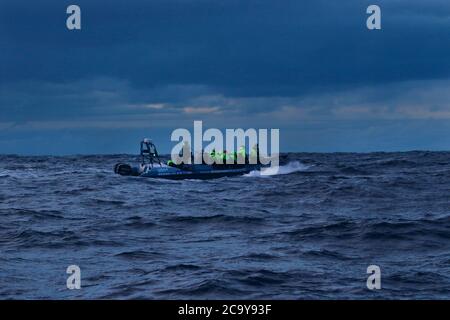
(255, 61)
(248, 48)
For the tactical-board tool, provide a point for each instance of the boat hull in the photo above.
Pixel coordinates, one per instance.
(202, 172)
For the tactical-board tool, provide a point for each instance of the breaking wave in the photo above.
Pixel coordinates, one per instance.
(291, 167)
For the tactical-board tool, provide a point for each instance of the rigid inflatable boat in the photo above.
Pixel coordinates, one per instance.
(151, 167)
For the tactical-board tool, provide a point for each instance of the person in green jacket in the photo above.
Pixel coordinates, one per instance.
(254, 154)
(228, 157)
(218, 157)
(233, 156)
(242, 155)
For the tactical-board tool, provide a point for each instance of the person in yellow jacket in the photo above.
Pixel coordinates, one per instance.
(222, 157)
(242, 155)
(254, 154)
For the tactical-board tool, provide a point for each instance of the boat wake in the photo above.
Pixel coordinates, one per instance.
(291, 167)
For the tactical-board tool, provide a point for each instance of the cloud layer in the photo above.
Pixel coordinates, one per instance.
(310, 68)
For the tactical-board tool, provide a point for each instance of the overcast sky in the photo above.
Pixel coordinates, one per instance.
(144, 68)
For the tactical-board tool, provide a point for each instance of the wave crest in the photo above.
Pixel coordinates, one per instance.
(291, 167)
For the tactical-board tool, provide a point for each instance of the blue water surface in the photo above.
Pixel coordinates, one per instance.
(308, 232)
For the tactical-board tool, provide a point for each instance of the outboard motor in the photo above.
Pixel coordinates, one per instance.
(124, 169)
(149, 156)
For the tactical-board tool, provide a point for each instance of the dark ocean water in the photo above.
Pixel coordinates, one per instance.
(309, 233)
